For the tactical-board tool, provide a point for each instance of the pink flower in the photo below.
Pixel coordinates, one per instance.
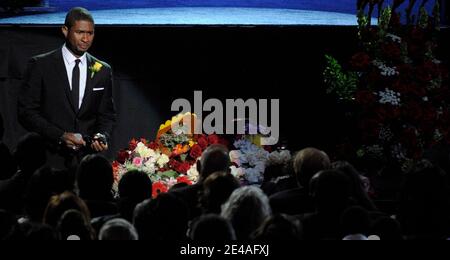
(137, 161)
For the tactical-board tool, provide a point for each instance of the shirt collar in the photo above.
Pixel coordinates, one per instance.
(70, 58)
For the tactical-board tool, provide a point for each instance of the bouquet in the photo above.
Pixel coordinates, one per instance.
(170, 159)
(397, 84)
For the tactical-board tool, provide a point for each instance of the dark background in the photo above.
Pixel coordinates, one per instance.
(155, 65)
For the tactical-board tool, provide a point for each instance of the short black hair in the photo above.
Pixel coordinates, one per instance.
(77, 14)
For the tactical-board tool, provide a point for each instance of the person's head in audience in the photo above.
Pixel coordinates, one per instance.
(247, 208)
(387, 229)
(278, 164)
(279, 227)
(95, 178)
(424, 205)
(9, 166)
(30, 153)
(9, 228)
(74, 224)
(217, 188)
(118, 229)
(178, 186)
(357, 190)
(134, 187)
(307, 163)
(135, 184)
(59, 204)
(212, 227)
(45, 183)
(355, 223)
(214, 159)
(162, 218)
(40, 232)
(330, 190)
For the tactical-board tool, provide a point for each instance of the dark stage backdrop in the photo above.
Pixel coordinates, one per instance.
(155, 65)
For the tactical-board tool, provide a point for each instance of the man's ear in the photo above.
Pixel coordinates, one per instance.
(65, 31)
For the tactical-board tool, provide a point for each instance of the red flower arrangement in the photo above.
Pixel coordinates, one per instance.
(399, 87)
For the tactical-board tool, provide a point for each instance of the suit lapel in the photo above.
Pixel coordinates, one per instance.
(61, 71)
(89, 81)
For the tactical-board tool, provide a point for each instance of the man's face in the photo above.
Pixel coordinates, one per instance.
(79, 37)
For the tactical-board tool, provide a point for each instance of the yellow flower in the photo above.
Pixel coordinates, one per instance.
(95, 68)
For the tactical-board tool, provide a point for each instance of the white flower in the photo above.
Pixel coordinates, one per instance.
(436, 61)
(389, 97)
(394, 38)
(162, 160)
(235, 157)
(144, 151)
(192, 173)
(385, 70)
(237, 172)
(253, 175)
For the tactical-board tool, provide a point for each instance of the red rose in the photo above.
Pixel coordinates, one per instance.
(144, 141)
(122, 156)
(360, 61)
(174, 164)
(213, 139)
(183, 168)
(153, 145)
(132, 145)
(184, 179)
(224, 142)
(158, 188)
(395, 18)
(412, 111)
(196, 151)
(203, 142)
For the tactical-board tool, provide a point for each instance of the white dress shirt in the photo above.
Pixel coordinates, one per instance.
(69, 61)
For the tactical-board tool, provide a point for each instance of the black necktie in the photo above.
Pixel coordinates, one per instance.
(76, 85)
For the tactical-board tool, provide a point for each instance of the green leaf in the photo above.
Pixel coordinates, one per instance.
(169, 174)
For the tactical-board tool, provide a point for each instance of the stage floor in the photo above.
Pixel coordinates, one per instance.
(196, 16)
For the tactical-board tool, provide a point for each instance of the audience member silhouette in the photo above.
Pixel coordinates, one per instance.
(331, 193)
(247, 208)
(59, 204)
(215, 158)
(279, 173)
(386, 228)
(162, 218)
(355, 223)
(217, 188)
(118, 229)
(307, 162)
(212, 227)
(134, 187)
(357, 190)
(9, 228)
(74, 224)
(30, 156)
(45, 183)
(94, 181)
(279, 227)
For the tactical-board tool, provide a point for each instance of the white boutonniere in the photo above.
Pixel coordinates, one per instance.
(95, 68)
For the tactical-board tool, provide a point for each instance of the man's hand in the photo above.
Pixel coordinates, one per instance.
(99, 147)
(73, 141)
(99, 143)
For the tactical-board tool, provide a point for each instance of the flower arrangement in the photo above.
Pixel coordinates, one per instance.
(250, 159)
(398, 85)
(170, 159)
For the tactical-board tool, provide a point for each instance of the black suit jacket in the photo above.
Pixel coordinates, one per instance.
(45, 104)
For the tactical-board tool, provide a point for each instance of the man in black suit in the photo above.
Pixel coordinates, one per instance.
(67, 93)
